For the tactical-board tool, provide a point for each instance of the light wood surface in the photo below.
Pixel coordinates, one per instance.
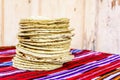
(0, 22)
(109, 26)
(96, 22)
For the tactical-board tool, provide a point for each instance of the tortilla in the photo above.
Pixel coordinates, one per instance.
(38, 21)
(29, 65)
(53, 60)
(53, 48)
(44, 44)
(29, 50)
(52, 56)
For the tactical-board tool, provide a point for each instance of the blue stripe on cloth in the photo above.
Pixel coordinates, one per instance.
(80, 69)
(9, 63)
(73, 51)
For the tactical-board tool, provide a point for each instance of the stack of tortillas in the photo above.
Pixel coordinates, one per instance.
(44, 44)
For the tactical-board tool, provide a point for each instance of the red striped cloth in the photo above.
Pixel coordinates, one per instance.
(87, 65)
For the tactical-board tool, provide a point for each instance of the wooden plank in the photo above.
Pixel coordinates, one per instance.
(109, 27)
(14, 10)
(0, 22)
(73, 9)
(35, 7)
(89, 31)
(96, 22)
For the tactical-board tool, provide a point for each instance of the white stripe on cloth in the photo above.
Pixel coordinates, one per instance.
(84, 55)
(101, 71)
(112, 76)
(106, 60)
(80, 73)
(7, 73)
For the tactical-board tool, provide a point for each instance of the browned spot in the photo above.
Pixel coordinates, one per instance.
(74, 9)
(113, 4)
(101, 0)
(29, 1)
(118, 2)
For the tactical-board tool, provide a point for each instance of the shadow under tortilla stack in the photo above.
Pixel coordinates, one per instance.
(44, 44)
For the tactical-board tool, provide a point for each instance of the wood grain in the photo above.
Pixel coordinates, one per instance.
(90, 25)
(14, 11)
(96, 22)
(109, 28)
(34, 7)
(0, 22)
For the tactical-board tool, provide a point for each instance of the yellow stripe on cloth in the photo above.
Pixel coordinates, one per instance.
(106, 75)
(116, 78)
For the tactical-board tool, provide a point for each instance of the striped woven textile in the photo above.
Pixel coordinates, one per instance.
(87, 65)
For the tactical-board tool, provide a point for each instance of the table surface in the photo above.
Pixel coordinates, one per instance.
(87, 65)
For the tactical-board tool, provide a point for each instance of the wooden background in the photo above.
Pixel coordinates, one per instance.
(96, 22)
